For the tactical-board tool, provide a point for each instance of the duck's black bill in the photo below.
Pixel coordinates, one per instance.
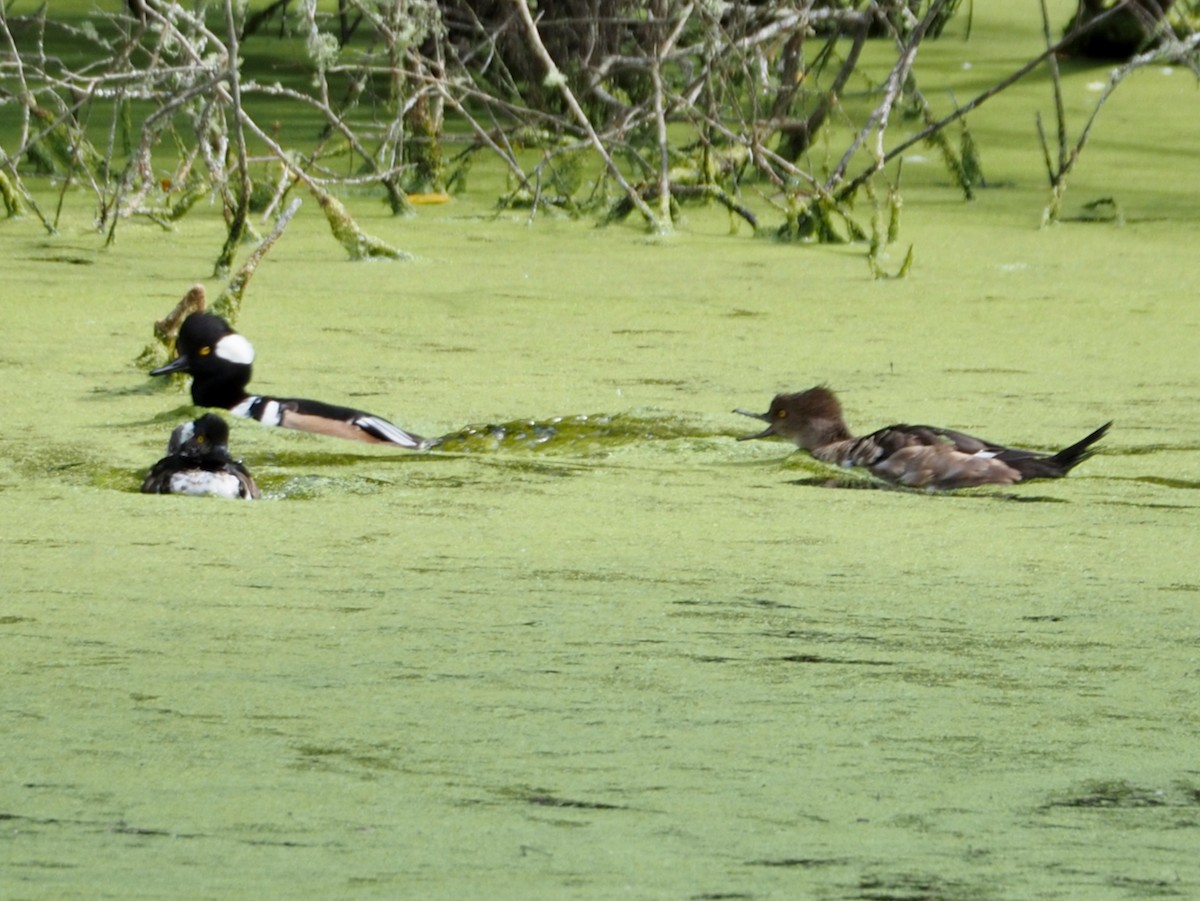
(179, 364)
(765, 417)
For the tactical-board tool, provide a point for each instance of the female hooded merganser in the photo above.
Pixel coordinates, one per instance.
(198, 463)
(219, 362)
(914, 455)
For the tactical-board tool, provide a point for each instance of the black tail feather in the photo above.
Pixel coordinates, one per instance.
(1035, 466)
(1070, 457)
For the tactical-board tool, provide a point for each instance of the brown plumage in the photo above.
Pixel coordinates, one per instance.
(918, 456)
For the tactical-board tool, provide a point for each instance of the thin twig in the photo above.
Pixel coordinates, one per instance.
(878, 120)
(237, 226)
(849, 188)
(556, 77)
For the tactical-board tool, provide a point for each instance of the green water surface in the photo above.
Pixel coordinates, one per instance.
(622, 654)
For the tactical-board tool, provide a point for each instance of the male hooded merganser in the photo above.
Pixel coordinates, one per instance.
(914, 455)
(219, 362)
(198, 463)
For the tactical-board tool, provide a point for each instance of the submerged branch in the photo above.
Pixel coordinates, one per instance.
(359, 244)
(229, 303)
(166, 330)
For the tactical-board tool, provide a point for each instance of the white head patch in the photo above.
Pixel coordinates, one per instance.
(181, 436)
(235, 349)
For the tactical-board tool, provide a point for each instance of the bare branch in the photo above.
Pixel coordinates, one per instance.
(555, 77)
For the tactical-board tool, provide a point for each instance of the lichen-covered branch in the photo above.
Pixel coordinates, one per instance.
(166, 330)
(229, 303)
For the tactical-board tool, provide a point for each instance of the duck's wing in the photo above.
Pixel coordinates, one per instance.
(382, 430)
(337, 421)
(158, 480)
(926, 456)
(249, 488)
(221, 461)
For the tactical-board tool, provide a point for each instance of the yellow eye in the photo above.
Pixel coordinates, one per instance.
(199, 439)
(782, 414)
(204, 351)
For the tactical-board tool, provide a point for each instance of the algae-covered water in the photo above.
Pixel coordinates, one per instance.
(621, 654)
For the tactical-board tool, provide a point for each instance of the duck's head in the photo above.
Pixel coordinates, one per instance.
(218, 359)
(203, 437)
(807, 418)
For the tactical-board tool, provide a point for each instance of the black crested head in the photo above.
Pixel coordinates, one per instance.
(209, 433)
(218, 359)
(201, 438)
(201, 330)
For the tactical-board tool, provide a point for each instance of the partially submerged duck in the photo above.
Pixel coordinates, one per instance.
(219, 360)
(917, 456)
(198, 463)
